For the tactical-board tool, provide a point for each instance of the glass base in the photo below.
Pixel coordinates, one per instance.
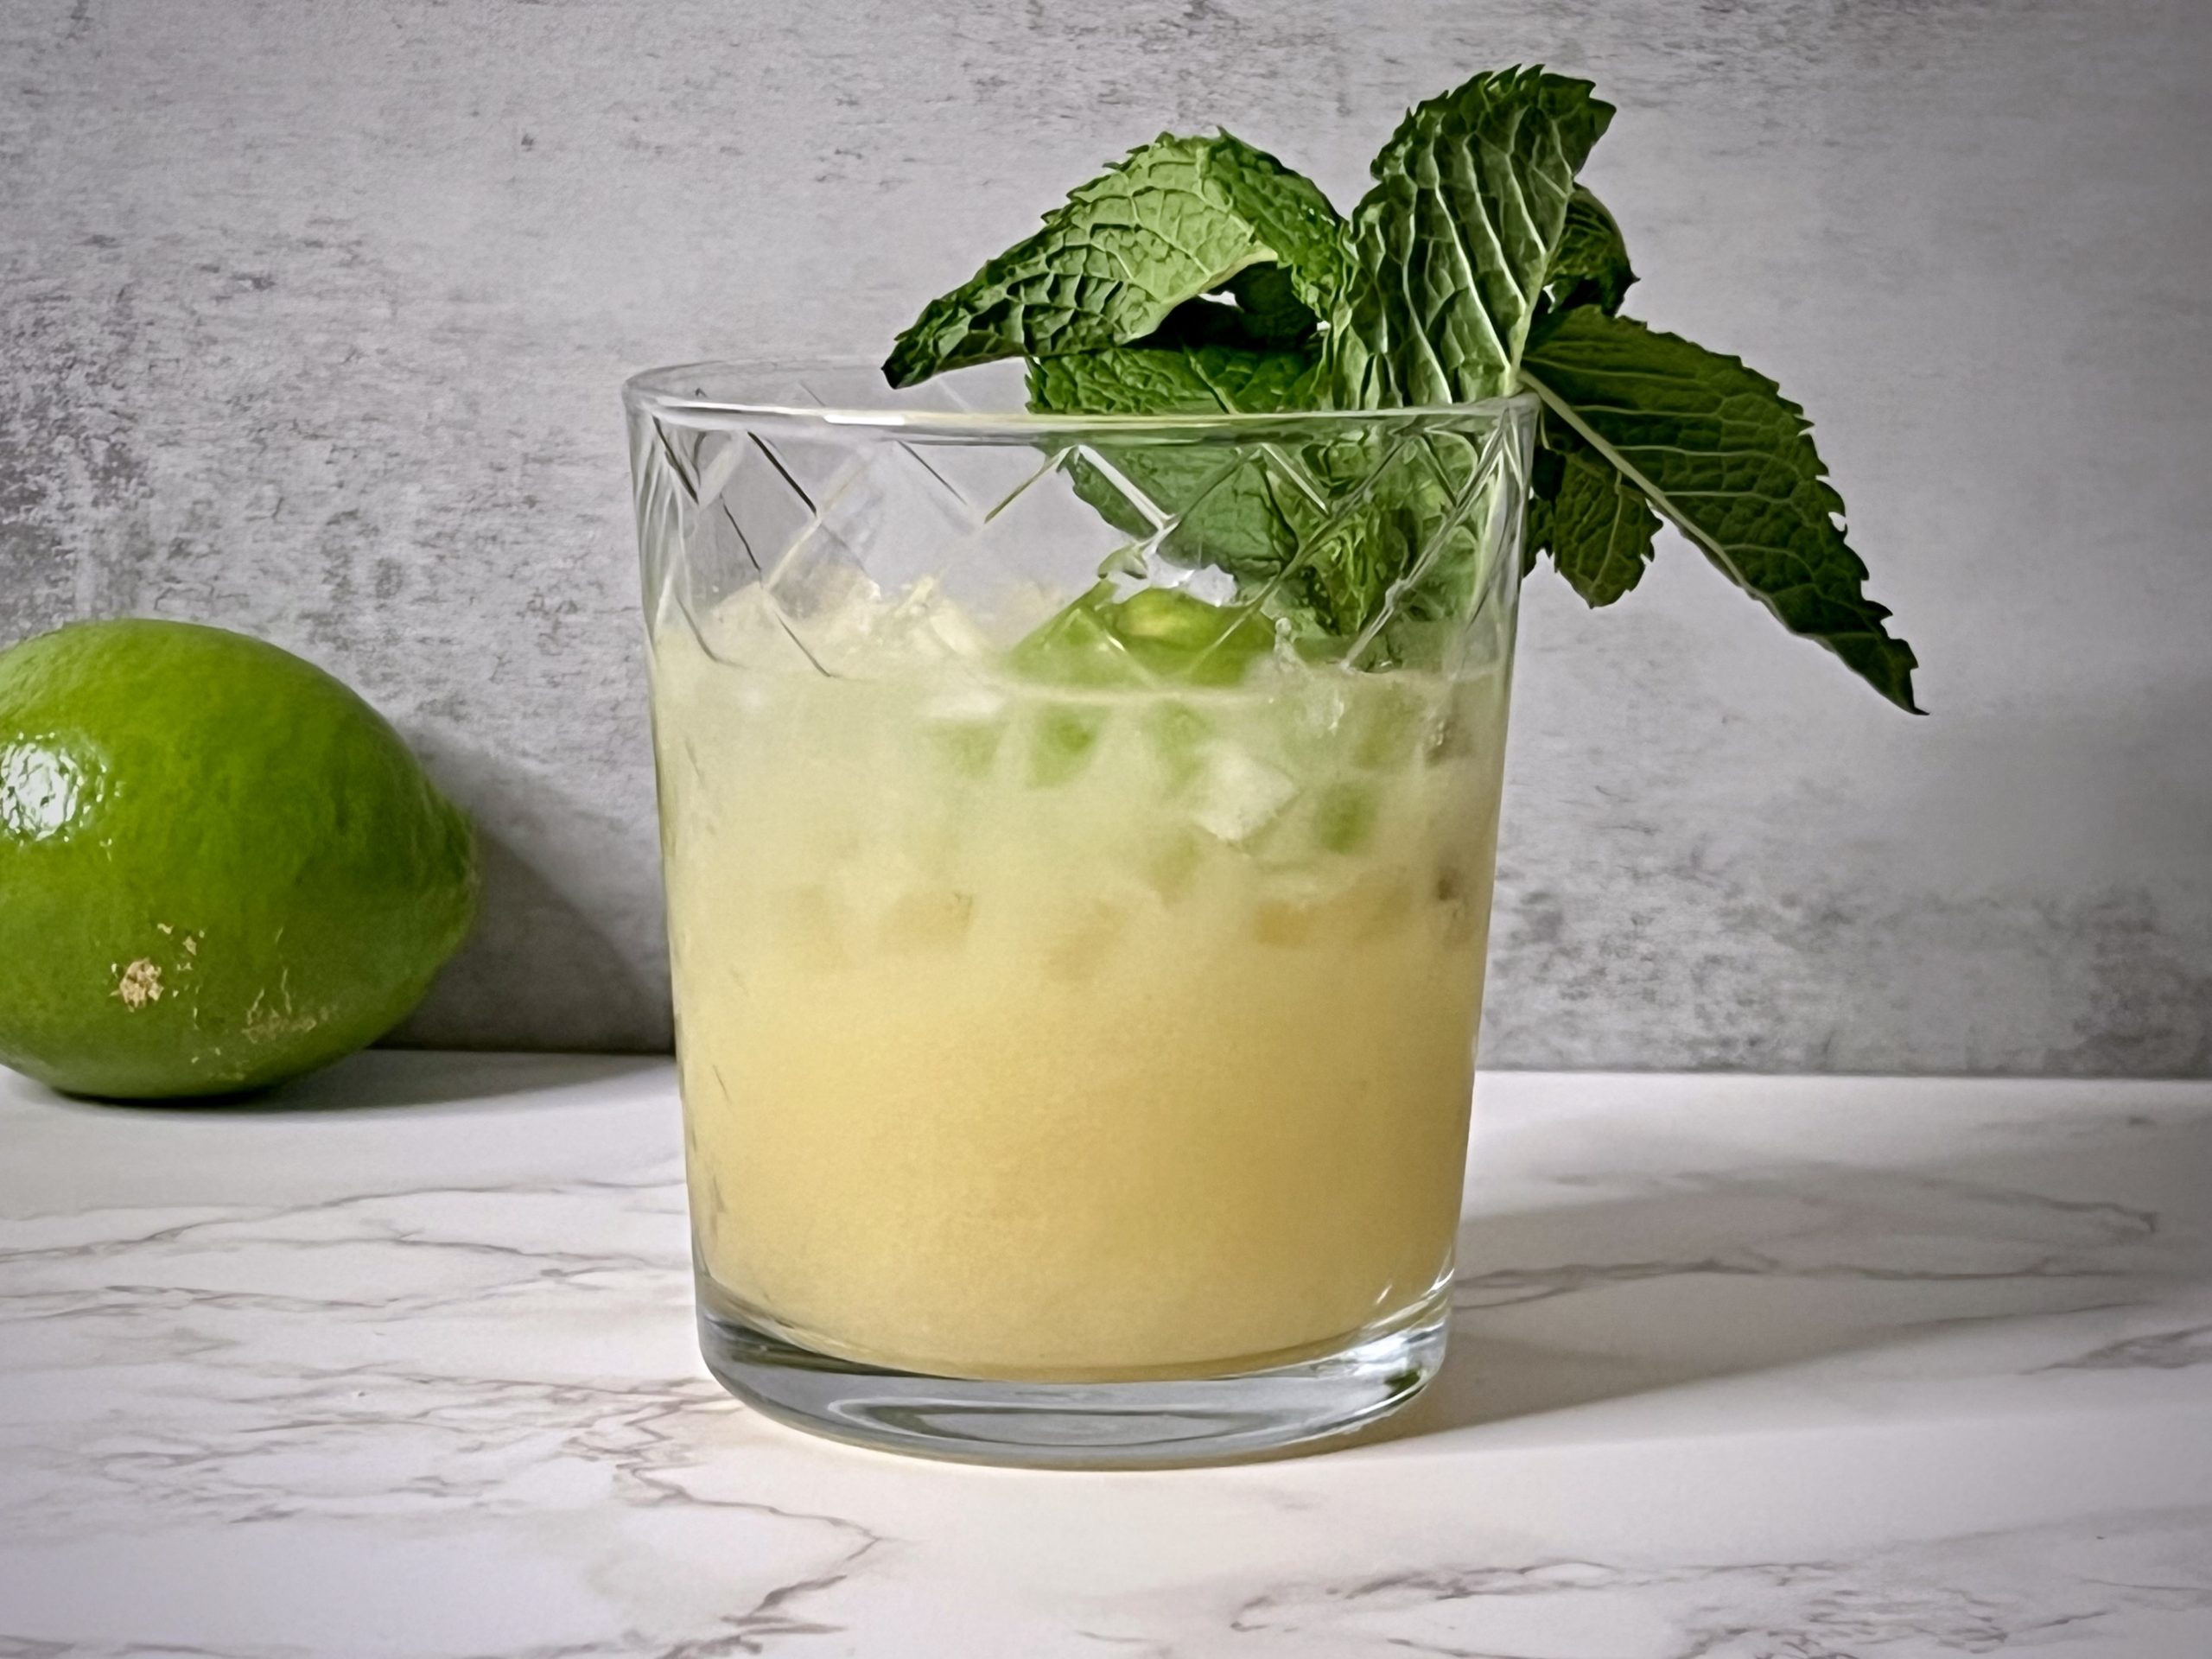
(1082, 1425)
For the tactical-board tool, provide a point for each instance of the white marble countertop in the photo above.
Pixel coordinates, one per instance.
(1746, 1368)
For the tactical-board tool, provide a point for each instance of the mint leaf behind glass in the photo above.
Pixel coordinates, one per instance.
(1724, 455)
(1325, 535)
(1208, 360)
(1228, 508)
(1448, 256)
(1176, 219)
(1597, 525)
(1583, 511)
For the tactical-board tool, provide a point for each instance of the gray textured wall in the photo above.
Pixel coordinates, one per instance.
(311, 318)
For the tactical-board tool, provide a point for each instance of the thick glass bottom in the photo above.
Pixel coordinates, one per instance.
(1082, 1425)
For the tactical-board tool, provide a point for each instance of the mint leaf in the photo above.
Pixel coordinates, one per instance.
(1268, 307)
(1176, 219)
(1594, 523)
(1228, 509)
(1293, 218)
(1320, 535)
(1590, 267)
(1203, 363)
(1730, 461)
(1448, 255)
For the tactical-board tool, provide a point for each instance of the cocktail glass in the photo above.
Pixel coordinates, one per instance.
(1078, 837)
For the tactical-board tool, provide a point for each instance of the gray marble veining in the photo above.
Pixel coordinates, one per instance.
(311, 317)
(1742, 1369)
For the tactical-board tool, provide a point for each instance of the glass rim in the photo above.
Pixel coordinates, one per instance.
(680, 394)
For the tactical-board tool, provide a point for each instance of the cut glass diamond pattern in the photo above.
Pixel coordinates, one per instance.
(1379, 529)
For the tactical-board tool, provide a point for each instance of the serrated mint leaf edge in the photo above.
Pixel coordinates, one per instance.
(1285, 218)
(1664, 506)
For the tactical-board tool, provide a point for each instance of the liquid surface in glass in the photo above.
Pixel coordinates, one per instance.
(1036, 1033)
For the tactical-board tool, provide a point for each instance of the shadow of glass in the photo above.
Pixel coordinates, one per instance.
(1751, 1270)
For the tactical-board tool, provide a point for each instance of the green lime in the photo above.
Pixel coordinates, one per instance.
(218, 867)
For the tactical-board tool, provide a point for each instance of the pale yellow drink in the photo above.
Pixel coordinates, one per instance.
(1027, 1032)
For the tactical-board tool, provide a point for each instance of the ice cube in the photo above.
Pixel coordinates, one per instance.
(834, 615)
(1466, 912)
(1171, 863)
(927, 919)
(926, 625)
(1239, 795)
(966, 725)
(1468, 723)
(1344, 817)
(845, 624)
(811, 929)
(1081, 943)
(1178, 735)
(1061, 743)
(746, 631)
(1311, 707)
(965, 704)
(1390, 724)
(1374, 905)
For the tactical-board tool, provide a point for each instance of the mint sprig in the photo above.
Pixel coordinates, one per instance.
(1477, 265)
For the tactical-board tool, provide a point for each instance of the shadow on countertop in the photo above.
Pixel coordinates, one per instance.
(1748, 1269)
